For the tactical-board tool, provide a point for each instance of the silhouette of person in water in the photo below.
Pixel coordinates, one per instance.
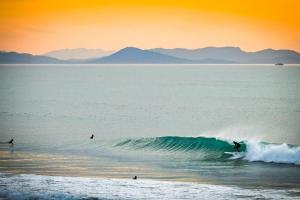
(92, 136)
(237, 146)
(134, 178)
(11, 141)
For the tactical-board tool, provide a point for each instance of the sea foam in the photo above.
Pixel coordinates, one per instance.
(55, 187)
(277, 153)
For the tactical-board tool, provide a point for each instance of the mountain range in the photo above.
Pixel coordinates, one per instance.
(234, 54)
(77, 54)
(132, 55)
(25, 58)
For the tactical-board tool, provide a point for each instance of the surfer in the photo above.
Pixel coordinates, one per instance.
(134, 178)
(237, 146)
(92, 136)
(11, 141)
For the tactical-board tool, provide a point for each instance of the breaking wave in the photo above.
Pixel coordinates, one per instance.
(214, 148)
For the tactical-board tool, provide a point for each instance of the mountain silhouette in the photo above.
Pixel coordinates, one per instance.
(25, 58)
(234, 54)
(132, 55)
(77, 54)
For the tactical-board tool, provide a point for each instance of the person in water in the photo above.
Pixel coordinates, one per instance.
(237, 146)
(134, 178)
(11, 141)
(92, 136)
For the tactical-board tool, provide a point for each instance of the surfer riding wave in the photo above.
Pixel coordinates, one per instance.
(237, 146)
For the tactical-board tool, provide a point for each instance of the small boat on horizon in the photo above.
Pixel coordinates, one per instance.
(279, 64)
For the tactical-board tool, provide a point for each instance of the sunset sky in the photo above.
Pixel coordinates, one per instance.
(40, 26)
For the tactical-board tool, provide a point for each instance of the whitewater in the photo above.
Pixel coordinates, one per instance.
(47, 187)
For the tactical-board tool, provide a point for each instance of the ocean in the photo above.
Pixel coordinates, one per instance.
(172, 126)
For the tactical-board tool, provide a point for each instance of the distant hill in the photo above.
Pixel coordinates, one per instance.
(135, 55)
(25, 58)
(132, 55)
(234, 54)
(77, 54)
(274, 56)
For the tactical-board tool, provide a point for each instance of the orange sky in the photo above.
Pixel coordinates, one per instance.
(38, 26)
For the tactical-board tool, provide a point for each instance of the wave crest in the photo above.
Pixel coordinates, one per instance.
(174, 143)
(214, 148)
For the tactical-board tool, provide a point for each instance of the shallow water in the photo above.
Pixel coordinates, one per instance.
(51, 111)
(47, 187)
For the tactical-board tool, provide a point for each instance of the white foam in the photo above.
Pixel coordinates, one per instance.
(278, 153)
(51, 187)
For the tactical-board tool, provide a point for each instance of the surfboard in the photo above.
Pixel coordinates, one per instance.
(230, 153)
(235, 155)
